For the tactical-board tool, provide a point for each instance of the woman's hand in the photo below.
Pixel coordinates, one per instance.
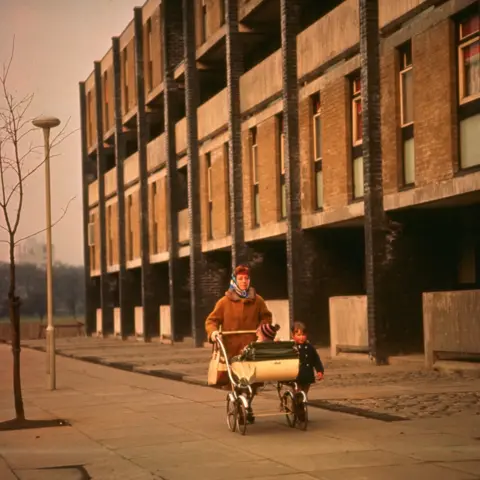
(214, 336)
(319, 376)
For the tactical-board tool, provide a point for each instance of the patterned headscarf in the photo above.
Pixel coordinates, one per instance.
(240, 270)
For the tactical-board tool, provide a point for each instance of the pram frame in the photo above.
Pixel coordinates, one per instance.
(293, 402)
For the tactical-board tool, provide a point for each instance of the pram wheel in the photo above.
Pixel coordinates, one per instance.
(232, 412)
(289, 407)
(242, 419)
(301, 410)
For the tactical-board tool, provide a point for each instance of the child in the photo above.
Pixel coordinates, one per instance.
(266, 332)
(309, 358)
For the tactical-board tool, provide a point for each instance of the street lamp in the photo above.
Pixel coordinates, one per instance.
(46, 123)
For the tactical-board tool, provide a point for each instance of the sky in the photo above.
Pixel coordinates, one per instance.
(56, 43)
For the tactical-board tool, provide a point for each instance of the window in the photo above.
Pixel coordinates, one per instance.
(203, 29)
(91, 241)
(109, 235)
(255, 177)
(281, 162)
(209, 196)
(154, 224)
(406, 114)
(227, 183)
(469, 88)
(149, 55)
(222, 12)
(89, 118)
(317, 149)
(105, 102)
(357, 132)
(125, 82)
(130, 227)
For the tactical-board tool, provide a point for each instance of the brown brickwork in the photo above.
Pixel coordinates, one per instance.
(433, 94)
(267, 132)
(336, 144)
(306, 155)
(219, 192)
(390, 105)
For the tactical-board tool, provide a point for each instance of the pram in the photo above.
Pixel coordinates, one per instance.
(259, 364)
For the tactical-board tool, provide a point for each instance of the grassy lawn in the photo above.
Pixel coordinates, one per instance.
(56, 320)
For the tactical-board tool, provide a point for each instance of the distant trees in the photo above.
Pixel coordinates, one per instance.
(68, 290)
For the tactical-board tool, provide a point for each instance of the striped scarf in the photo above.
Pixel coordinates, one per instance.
(234, 286)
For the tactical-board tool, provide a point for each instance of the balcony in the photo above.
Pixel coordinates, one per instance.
(93, 193)
(183, 227)
(213, 114)
(110, 185)
(261, 82)
(130, 169)
(156, 153)
(181, 135)
(328, 37)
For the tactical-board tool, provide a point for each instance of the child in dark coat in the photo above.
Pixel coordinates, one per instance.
(310, 364)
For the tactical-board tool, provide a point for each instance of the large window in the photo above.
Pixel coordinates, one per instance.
(357, 129)
(149, 56)
(226, 148)
(222, 11)
(109, 235)
(469, 88)
(255, 178)
(106, 113)
(126, 99)
(406, 114)
(317, 150)
(154, 222)
(91, 241)
(90, 118)
(281, 166)
(203, 27)
(208, 160)
(130, 227)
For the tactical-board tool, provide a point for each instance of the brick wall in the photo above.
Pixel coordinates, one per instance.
(336, 144)
(306, 154)
(390, 111)
(434, 98)
(267, 132)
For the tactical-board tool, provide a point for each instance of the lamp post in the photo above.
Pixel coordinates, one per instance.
(46, 123)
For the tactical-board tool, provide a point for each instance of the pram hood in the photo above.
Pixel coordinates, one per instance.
(264, 351)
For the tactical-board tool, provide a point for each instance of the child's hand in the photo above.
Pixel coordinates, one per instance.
(319, 376)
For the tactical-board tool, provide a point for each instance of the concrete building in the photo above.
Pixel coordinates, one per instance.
(216, 132)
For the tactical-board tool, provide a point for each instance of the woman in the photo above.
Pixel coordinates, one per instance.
(240, 309)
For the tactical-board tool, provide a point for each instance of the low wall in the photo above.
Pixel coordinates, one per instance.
(279, 309)
(99, 329)
(165, 323)
(117, 323)
(348, 324)
(139, 332)
(35, 330)
(451, 324)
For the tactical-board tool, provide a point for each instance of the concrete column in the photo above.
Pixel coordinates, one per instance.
(375, 219)
(90, 315)
(124, 282)
(298, 278)
(106, 303)
(150, 307)
(192, 97)
(235, 69)
(172, 44)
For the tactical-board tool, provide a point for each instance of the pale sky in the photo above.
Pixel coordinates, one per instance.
(56, 43)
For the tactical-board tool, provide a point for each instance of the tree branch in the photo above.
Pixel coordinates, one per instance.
(65, 210)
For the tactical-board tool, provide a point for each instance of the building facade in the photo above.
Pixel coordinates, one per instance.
(216, 132)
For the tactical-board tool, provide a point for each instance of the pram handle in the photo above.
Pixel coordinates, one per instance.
(237, 332)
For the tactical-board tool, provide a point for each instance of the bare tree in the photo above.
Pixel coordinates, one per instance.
(19, 160)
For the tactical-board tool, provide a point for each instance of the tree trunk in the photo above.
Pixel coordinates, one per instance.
(14, 309)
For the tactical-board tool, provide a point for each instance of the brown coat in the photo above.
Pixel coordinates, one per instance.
(235, 313)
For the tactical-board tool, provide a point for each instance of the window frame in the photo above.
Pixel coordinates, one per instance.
(105, 101)
(204, 21)
(255, 179)
(356, 99)
(316, 112)
(281, 167)
(462, 43)
(130, 253)
(226, 150)
(154, 218)
(208, 161)
(149, 56)
(126, 92)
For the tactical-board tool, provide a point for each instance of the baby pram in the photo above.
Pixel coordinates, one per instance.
(259, 364)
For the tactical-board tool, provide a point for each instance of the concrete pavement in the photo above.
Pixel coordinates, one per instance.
(130, 426)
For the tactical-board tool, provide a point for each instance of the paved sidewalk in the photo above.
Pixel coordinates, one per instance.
(130, 426)
(403, 389)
